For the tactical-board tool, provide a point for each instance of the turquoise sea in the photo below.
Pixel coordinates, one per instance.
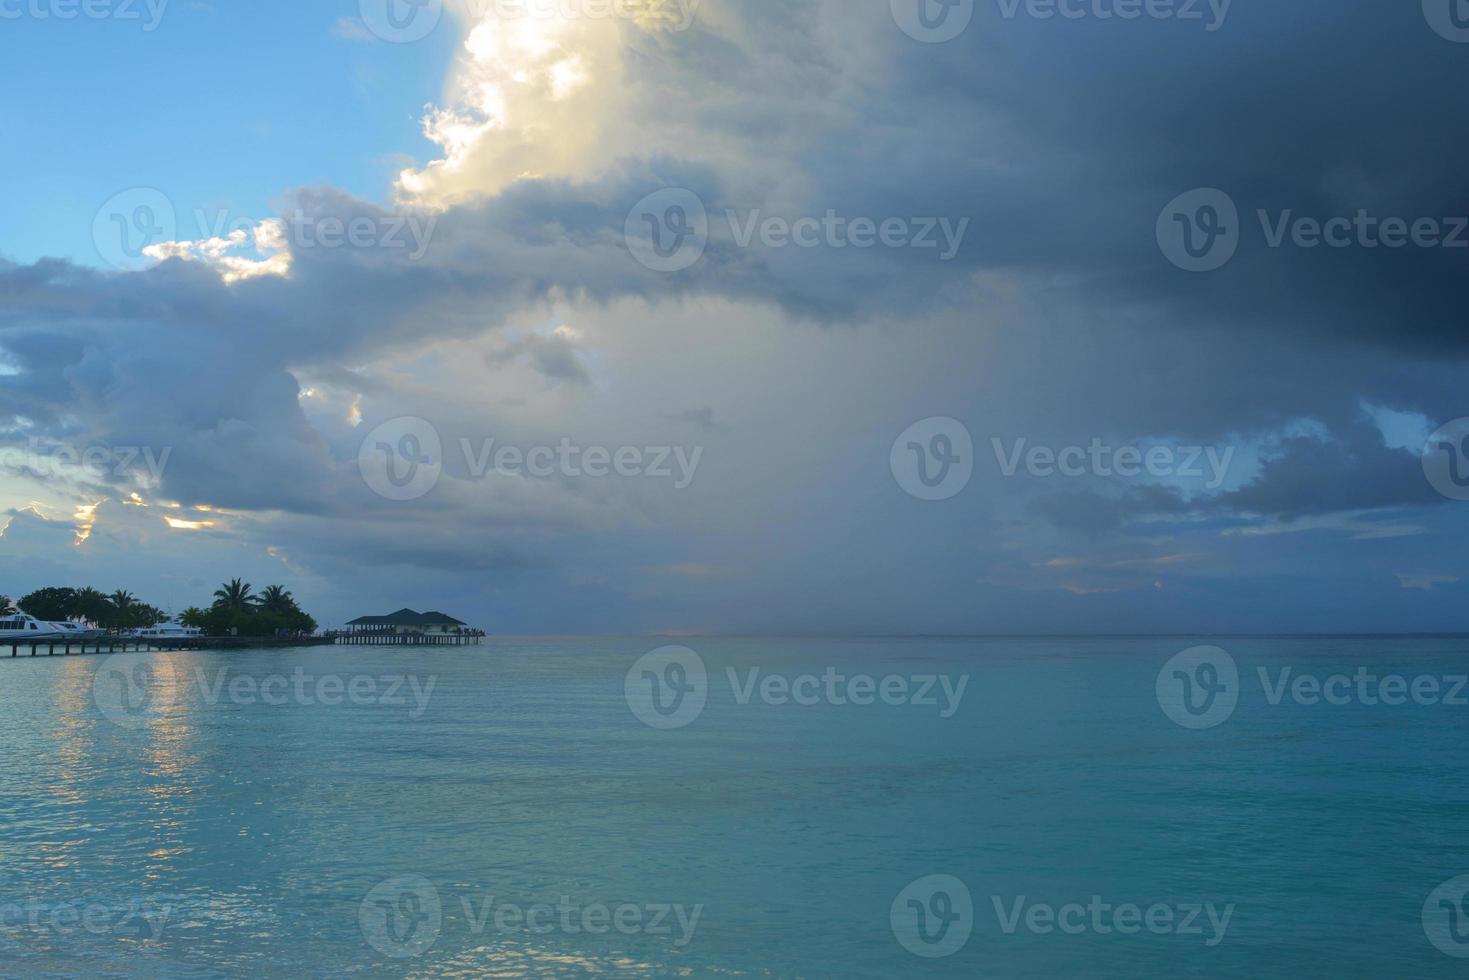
(525, 808)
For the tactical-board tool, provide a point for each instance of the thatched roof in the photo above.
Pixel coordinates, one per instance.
(407, 617)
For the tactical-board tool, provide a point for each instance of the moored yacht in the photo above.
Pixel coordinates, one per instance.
(75, 631)
(19, 626)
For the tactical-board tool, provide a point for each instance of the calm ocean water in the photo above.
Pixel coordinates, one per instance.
(508, 811)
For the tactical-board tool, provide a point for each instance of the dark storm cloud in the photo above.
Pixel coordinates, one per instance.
(1304, 476)
(1059, 142)
(1065, 139)
(1354, 472)
(1094, 513)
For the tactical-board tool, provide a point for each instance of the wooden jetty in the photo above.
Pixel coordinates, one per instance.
(64, 647)
(389, 638)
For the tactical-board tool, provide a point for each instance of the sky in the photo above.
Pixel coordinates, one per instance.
(813, 317)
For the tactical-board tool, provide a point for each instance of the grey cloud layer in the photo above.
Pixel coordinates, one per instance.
(1058, 318)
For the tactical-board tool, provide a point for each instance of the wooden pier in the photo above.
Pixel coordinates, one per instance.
(384, 638)
(64, 647)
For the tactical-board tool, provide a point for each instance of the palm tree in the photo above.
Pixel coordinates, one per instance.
(234, 595)
(124, 605)
(276, 599)
(193, 616)
(146, 616)
(92, 605)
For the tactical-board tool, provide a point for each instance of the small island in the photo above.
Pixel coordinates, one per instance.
(237, 610)
(55, 619)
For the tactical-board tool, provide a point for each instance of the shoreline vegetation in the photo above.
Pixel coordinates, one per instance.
(237, 610)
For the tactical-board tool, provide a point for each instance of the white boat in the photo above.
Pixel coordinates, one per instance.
(22, 627)
(75, 631)
(165, 631)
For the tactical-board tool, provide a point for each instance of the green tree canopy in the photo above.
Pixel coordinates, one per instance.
(234, 595)
(277, 600)
(236, 610)
(92, 606)
(193, 617)
(52, 604)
